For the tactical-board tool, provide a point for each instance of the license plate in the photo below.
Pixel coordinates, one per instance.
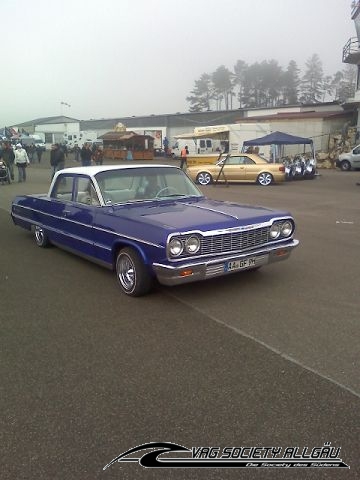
(240, 264)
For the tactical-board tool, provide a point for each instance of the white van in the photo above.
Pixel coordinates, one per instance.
(196, 146)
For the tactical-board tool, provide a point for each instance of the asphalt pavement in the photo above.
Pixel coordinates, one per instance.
(269, 358)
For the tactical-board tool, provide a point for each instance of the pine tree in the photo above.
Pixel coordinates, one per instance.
(291, 82)
(223, 86)
(311, 84)
(201, 94)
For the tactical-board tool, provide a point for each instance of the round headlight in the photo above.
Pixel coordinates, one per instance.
(192, 245)
(286, 229)
(274, 231)
(175, 247)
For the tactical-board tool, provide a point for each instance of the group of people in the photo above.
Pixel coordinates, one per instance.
(12, 158)
(34, 151)
(89, 154)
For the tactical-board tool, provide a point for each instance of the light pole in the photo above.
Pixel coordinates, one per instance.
(62, 104)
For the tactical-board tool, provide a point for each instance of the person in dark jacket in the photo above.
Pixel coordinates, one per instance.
(85, 155)
(8, 155)
(39, 152)
(57, 158)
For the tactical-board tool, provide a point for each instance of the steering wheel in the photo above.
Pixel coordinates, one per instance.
(171, 190)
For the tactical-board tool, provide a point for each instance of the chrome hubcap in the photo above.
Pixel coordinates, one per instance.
(126, 272)
(39, 235)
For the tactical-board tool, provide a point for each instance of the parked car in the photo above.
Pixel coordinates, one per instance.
(349, 160)
(240, 167)
(150, 222)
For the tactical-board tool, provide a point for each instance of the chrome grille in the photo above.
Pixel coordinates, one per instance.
(232, 242)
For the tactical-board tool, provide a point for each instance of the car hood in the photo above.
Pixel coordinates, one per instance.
(201, 214)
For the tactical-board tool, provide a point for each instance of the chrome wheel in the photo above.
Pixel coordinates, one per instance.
(41, 237)
(265, 179)
(133, 276)
(204, 178)
(126, 272)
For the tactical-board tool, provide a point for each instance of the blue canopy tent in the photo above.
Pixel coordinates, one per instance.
(280, 138)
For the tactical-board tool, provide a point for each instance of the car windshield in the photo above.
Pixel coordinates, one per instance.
(144, 183)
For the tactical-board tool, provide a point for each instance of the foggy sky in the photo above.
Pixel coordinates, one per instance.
(115, 58)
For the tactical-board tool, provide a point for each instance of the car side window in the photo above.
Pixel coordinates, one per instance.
(63, 188)
(356, 151)
(248, 161)
(233, 160)
(85, 192)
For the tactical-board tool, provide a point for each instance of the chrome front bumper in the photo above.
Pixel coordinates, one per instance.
(195, 271)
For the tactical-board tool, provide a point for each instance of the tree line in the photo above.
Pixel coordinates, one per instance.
(267, 84)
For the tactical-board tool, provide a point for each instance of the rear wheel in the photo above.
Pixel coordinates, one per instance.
(204, 178)
(132, 275)
(41, 238)
(345, 166)
(265, 179)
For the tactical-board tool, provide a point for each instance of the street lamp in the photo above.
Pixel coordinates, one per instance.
(64, 103)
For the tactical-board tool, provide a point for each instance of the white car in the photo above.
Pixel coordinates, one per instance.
(349, 160)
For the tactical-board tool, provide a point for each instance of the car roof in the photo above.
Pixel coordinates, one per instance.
(95, 169)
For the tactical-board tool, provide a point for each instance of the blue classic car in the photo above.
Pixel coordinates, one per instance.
(150, 222)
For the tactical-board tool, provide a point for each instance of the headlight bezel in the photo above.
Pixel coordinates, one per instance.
(275, 231)
(282, 229)
(171, 243)
(182, 246)
(287, 225)
(196, 240)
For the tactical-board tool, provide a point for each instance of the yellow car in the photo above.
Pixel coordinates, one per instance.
(239, 167)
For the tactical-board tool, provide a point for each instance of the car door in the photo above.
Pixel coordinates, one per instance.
(252, 169)
(77, 216)
(235, 169)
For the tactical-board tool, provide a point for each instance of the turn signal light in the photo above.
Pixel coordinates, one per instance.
(186, 273)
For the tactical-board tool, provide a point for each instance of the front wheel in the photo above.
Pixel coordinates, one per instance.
(132, 275)
(265, 179)
(204, 178)
(41, 238)
(345, 166)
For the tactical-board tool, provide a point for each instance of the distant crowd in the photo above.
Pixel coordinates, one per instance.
(89, 154)
(20, 156)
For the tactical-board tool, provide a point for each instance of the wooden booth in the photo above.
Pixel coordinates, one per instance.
(123, 145)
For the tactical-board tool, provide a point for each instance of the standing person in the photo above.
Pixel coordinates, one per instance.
(31, 151)
(85, 155)
(21, 160)
(166, 146)
(57, 158)
(76, 152)
(63, 147)
(129, 155)
(98, 156)
(39, 152)
(184, 153)
(8, 156)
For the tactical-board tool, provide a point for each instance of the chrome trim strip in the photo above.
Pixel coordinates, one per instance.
(170, 275)
(34, 222)
(224, 231)
(233, 255)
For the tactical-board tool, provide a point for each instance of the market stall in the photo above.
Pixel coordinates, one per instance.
(125, 145)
